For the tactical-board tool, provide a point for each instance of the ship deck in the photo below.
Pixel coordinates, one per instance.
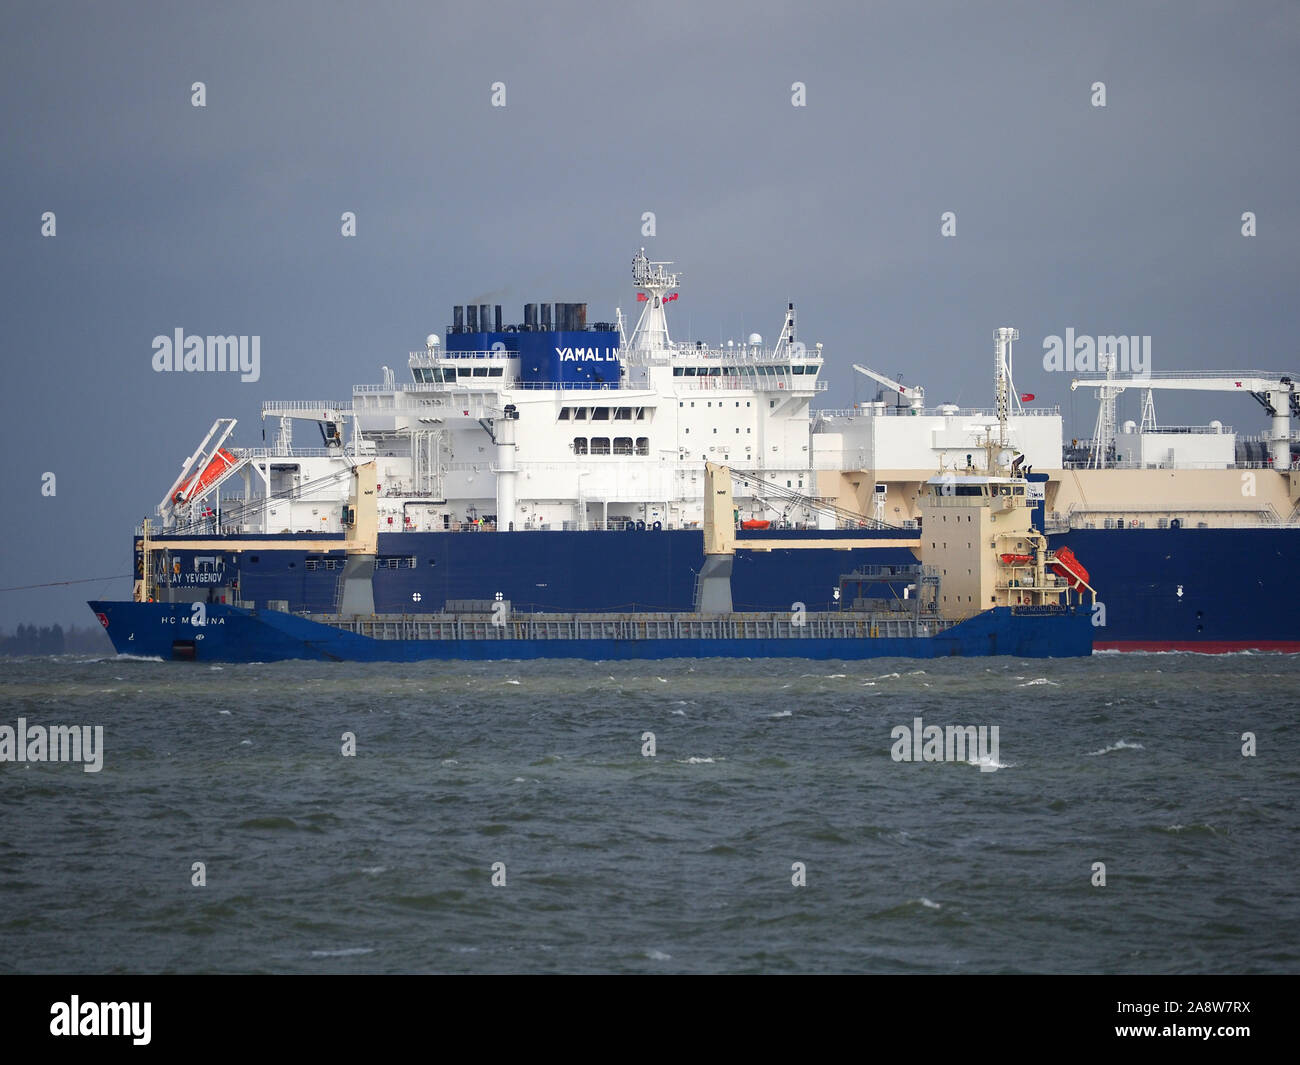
(640, 626)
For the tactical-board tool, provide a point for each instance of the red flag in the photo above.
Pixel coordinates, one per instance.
(641, 297)
(1026, 397)
(672, 297)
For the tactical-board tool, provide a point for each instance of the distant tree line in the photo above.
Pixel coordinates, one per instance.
(55, 640)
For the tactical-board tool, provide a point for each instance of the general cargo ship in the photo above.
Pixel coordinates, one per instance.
(990, 553)
(560, 466)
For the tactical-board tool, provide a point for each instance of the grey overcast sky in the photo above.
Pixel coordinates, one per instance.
(226, 219)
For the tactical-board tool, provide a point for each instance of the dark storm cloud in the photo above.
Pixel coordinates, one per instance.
(226, 219)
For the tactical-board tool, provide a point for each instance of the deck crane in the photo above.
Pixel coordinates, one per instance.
(914, 396)
(713, 581)
(1275, 392)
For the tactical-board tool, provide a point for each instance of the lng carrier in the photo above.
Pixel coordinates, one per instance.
(560, 467)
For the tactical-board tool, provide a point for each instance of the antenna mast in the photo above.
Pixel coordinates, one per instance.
(1002, 383)
(651, 333)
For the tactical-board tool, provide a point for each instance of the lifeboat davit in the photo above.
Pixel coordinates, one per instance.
(1017, 560)
(755, 523)
(1070, 568)
(197, 486)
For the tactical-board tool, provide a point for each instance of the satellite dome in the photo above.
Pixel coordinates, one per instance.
(755, 338)
(431, 341)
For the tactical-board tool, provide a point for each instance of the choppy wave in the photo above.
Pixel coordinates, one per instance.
(1118, 745)
(613, 860)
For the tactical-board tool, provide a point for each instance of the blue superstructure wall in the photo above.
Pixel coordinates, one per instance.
(588, 356)
(557, 571)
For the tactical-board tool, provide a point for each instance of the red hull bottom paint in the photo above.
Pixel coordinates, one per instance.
(1204, 647)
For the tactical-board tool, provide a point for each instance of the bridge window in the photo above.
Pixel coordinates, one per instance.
(600, 414)
(600, 445)
(622, 445)
(564, 414)
(579, 445)
(643, 445)
(623, 414)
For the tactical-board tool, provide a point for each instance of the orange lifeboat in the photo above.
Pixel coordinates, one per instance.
(1069, 567)
(197, 486)
(1017, 560)
(755, 523)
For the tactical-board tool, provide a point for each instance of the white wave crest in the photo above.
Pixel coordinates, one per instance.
(990, 764)
(1118, 745)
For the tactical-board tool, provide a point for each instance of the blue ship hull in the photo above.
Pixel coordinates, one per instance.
(1208, 590)
(1163, 589)
(233, 634)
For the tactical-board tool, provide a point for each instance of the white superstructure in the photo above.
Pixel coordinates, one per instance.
(595, 429)
(468, 441)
